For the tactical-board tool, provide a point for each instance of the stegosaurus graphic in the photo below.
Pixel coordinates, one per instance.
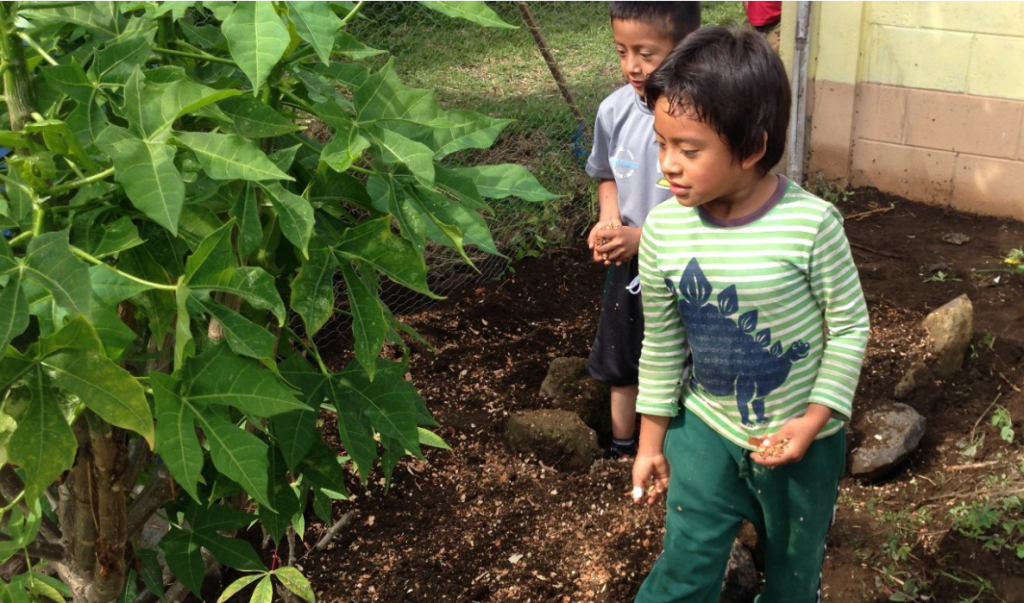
(729, 357)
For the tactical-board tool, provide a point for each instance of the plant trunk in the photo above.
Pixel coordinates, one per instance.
(93, 511)
(17, 83)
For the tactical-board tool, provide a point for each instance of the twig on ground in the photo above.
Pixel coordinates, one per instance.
(864, 214)
(874, 251)
(1010, 383)
(973, 465)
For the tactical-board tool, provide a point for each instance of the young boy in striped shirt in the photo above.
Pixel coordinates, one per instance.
(755, 274)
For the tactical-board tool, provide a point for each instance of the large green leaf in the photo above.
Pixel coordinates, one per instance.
(115, 63)
(295, 431)
(211, 267)
(476, 11)
(313, 287)
(176, 440)
(238, 454)
(152, 107)
(344, 149)
(43, 446)
(354, 428)
(246, 213)
(257, 39)
(389, 402)
(282, 496)
(374, 243)
(441, 225)
(71, 80)
(295, 214)
(253, 118)
(382, 97)
(459, 225)
(115, 335)
(22, 197)
(244, 337)
(461, 187)
(148, 174)
(317, 24)
(506, 180)
(99, 17)
(466, 130)
(368, 322)
(219, 377)
(110, 288)
(13, 310)
(184, 559)
(230, 157)
(112, 237)
(51, 264)
(73, 358)
(293, 580)
(346, 45)
(389, 196)
(395, 149)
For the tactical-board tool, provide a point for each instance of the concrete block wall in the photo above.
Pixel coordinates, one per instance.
(921, 99)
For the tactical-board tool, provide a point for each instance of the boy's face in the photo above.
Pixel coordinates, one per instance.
(699, 164)
(641, 47)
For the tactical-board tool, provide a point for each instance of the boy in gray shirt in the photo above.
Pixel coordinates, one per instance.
(625, 161)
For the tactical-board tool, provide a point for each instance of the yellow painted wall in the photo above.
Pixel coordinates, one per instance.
(968, 47)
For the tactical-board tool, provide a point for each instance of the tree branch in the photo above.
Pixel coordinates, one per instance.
(51, 551)
(155, 495)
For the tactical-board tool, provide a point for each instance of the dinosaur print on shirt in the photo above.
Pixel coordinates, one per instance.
(731, 357)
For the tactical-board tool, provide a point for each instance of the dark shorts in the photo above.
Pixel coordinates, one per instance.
(615, 356)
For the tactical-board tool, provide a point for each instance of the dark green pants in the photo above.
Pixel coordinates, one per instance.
(714, 486)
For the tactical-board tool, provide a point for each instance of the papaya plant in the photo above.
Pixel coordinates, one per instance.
(174, 238)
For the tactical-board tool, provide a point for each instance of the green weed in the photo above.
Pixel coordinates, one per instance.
(983, 585)
(828, 189)
(998, 525)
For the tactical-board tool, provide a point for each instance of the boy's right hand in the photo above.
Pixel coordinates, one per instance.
(650, 478)
(599, 236)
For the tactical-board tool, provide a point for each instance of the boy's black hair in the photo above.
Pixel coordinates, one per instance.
(675, 19)
(731, 80)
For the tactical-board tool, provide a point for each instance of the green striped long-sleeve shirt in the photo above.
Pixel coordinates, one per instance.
(770, 306)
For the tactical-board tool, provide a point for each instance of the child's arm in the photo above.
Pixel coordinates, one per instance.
(836, 287)
(651, 469)
(662, 358)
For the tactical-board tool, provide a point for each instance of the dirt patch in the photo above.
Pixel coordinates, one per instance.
(483, 524)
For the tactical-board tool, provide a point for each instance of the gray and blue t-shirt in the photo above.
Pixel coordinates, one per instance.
(625, 151)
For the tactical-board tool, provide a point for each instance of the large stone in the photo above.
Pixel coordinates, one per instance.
(916, 376)
(557, 437)
(950, 328)
(741, 580)
(568, 387)
(890, 435)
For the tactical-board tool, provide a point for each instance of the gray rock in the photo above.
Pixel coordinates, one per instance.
(557, 437)
(950, 328)
(569, 387)
(890, 434)
(741, 581)
(917, 375)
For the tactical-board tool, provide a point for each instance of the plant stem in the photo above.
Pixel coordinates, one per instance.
(298, 101)
(304, 141)
(352, 13)
(17, 83)
(36, 47)
(46, 5)
(191, 55)
(21, 238)
(310, 349)
(94, 260)
(67, 186)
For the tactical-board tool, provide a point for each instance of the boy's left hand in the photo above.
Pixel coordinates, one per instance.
(790, 443)
(620, 245)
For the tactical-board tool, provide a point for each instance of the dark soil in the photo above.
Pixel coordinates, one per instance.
(480, 523)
